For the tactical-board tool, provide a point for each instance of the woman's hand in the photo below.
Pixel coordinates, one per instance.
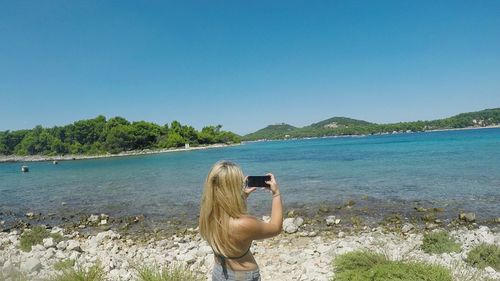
(275, 189)
(248, 190)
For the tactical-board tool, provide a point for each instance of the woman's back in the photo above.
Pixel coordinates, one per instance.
(226, 226)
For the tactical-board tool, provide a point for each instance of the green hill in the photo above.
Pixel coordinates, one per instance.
(338, 122)
(277, 131)
(338, 126)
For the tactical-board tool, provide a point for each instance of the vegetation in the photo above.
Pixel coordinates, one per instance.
(364, 266)
(36, 236)
(94, 273)
(101, 136)
(485, 255)
(338, 126)
(439, 242)
(64, 264)
(172, 273)
(12, 274)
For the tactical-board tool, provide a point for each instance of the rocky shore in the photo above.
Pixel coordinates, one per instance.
(41, 158)
(299, 253)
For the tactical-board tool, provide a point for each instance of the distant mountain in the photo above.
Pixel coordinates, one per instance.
(276, 131)
(338, 122)
(337, 126)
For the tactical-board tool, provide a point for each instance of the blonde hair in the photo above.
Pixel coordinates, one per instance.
(221, 200)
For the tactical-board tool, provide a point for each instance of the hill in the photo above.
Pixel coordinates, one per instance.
(272, 132)
(338, 126)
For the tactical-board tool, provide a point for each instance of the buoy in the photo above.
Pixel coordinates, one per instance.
(25, 169)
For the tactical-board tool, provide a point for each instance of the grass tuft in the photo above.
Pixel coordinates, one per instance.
(94, 273)
(64, 264)
(364, 266)
(484, 255)
(171, 273)
(35, 236)
(439, 242)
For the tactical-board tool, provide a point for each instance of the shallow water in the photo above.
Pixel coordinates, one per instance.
(455, 169)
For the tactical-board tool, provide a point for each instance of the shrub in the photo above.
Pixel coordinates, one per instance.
(439, 242)
(363, 266)
(94, 273)
(484, 255)
(36, 236)
(171, 273)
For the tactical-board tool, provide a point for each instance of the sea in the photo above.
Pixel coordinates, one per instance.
(458, 171)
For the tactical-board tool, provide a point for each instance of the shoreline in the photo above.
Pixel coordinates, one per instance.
(301, 255)
(70, 157)
(376, 134)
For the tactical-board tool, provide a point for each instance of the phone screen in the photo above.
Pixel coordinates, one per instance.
(258, 181)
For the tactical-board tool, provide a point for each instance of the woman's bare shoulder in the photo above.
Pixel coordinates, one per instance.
(246, 223)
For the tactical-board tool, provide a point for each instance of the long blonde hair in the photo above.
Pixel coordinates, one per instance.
(221, 200)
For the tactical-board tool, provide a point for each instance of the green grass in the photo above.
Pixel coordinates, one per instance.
(171, 273)
(364, 266)
(484, 255)
(64, 264)
(36, 236)
(439, 242)
(94, 273)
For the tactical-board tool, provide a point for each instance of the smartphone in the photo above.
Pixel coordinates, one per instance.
(258, 181)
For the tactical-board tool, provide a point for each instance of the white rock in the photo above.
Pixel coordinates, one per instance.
(330, 220)
(93, 218)
(48, 243)
(490, 270)
(289, 226)
(62, 245)
(407, 227)
(298, 221)
(31, 265)
(73, 245)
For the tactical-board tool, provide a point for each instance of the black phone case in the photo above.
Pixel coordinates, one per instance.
(258, 181)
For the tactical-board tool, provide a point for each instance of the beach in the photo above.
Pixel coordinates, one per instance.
(300, 254)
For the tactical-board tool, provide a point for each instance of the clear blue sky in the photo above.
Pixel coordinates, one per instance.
(246, 64)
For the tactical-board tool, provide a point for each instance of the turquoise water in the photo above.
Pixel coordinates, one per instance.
(455, 169)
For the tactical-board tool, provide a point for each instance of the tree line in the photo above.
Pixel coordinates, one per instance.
(100, 136)
(348, 126)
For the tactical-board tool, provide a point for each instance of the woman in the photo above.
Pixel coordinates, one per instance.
(226, 226)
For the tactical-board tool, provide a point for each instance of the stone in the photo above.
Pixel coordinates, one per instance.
(289, 225)
(31, 265)
(73, 246)
(103, 222)
(490, 270)
(497, 220)
(341, 234)
(49, 243)
(30, 215)
(62, 245)
(93, 218)
(420, 209)
(407, 227)
(468, 217)
(298, 221)
(330, 220)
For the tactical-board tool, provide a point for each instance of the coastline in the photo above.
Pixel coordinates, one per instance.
(299, 255)
(376, 134)
(70, 157)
